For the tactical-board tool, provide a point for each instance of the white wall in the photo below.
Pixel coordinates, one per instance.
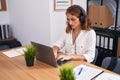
(35, 20)
(30, 20)
(4, 17)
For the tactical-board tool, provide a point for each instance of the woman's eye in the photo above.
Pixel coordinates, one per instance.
(68, 20)
(73, 19)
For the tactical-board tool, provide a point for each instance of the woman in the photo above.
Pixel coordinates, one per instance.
(79, 39)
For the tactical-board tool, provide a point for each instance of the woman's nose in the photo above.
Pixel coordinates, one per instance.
(70, 22)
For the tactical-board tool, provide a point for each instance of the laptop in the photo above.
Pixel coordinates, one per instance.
(45, 54)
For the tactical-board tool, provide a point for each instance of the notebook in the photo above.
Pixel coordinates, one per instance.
(84, 72)
(45, 54)
(108, 76)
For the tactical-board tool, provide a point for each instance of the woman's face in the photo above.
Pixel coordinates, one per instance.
(73, 21)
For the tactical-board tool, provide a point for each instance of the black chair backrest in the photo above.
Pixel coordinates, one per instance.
(96, 56)
(111, 63)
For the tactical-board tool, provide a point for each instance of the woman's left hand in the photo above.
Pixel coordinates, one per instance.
(64, 57)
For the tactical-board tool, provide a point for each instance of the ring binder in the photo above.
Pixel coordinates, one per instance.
(5, 31)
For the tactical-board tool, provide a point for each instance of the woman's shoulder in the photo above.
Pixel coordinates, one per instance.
(92, 30)
(89, 31)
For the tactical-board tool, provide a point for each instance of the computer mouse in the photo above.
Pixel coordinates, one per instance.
(59, 62)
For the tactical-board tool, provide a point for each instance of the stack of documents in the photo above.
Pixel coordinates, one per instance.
(14, 53)
(83, 72)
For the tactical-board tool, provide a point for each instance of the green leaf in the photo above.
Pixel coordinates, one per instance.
(29, 52)
(66, 73)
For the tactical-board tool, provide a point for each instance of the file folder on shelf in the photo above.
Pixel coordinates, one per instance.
(5, 31)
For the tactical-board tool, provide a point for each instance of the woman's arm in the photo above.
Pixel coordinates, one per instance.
(59, 44)
(55, 50)
(78, 57)
(71, 57)
(90, 48)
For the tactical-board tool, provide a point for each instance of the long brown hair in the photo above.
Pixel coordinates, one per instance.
(78, 11)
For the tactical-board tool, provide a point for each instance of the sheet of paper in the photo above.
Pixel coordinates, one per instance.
(11, 53)
(20, 50)
(87, 73)
(108, 76)
(14, 53)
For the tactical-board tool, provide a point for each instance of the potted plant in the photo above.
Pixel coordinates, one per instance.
(66, 73)
(29, 54)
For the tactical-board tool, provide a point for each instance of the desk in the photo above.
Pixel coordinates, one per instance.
(15, 69)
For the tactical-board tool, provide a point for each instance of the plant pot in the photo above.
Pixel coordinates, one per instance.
(29, 62)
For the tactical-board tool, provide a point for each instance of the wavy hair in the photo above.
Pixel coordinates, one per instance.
(78, 11)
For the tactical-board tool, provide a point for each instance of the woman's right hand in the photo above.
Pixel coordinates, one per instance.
(55, 50)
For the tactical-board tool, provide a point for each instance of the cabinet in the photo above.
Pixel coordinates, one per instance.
(108, 41)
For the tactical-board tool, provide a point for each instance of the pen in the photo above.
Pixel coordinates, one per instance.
(97, 75)
(80, 71)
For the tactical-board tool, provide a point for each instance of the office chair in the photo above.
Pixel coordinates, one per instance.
(96, 56)
(111, 63)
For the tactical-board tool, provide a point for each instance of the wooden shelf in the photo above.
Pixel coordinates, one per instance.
(2, 40)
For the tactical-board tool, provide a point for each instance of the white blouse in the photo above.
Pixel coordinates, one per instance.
(84, 44)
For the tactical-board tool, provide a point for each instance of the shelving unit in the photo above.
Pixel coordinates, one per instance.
(104, 35)
(9, 43)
